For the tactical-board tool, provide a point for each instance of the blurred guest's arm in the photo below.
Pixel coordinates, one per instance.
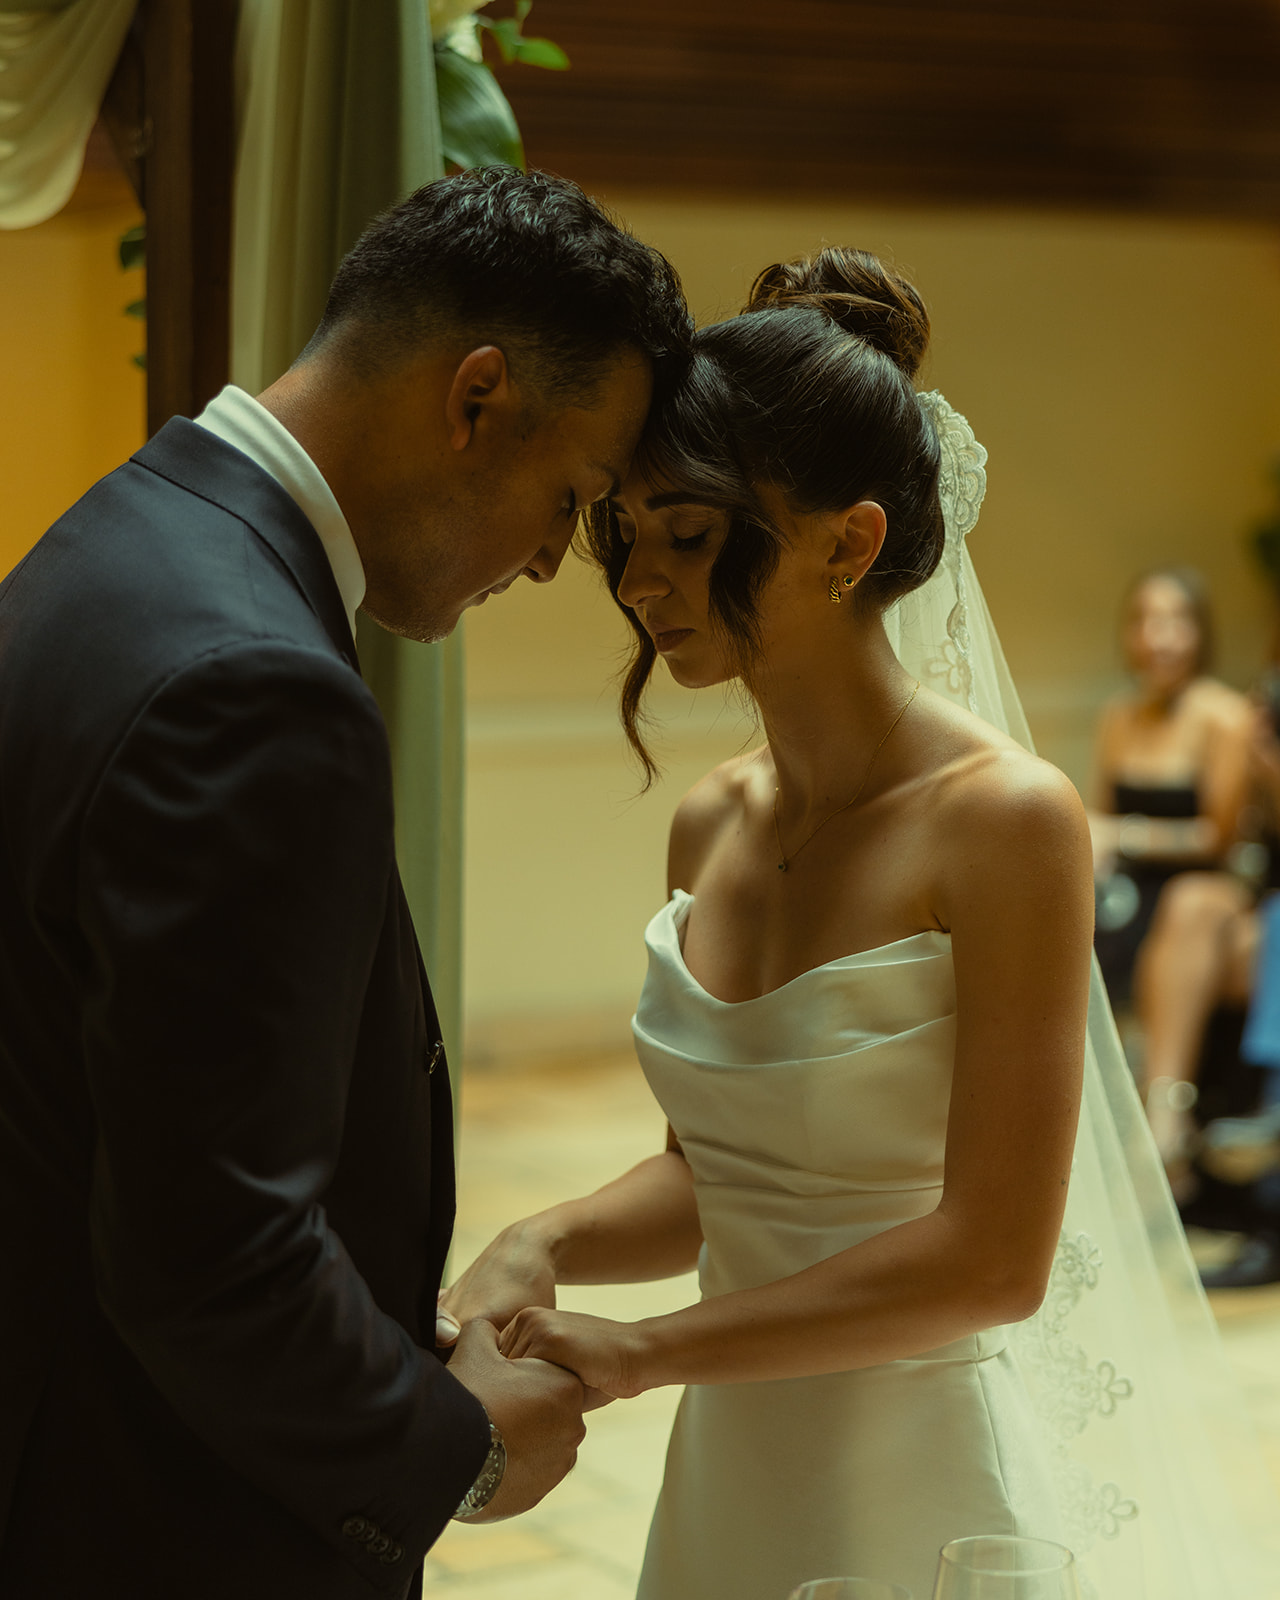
(1264, 758)
(1224, 787)
(1222, 784)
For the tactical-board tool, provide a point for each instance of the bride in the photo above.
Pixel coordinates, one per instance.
(867, 1017)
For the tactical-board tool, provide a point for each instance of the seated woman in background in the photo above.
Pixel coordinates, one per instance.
(1171, 766)
(1202, 953)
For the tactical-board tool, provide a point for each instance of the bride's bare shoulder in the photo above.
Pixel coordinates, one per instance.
(1003, 811)
(990, 778)
(715, 802)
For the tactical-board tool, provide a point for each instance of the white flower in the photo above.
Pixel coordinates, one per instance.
(464, 40)
(447, 15)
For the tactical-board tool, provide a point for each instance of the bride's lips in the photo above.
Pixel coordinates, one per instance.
(665, 639)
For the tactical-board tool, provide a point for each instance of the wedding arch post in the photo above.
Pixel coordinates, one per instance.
(170, 113)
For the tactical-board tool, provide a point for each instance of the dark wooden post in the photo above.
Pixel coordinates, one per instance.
(170, 112)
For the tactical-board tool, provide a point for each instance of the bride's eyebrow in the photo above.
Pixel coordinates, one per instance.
(659, 502)
(676, 497)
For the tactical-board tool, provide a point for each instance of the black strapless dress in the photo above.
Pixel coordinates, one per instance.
(1126, 902)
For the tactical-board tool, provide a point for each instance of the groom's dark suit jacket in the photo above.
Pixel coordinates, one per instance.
(226, 1172)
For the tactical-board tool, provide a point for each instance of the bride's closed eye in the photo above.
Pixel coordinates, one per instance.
(686, 532)
(690, 541)
(689, 529)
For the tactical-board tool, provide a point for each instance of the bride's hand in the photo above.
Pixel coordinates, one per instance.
(515, 1271)
(607, 1356)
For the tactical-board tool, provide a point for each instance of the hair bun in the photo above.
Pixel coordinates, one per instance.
(855, 290)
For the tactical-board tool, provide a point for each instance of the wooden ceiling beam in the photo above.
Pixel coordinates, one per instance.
(1169, 105)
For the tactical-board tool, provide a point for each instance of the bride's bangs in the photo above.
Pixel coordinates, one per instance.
(688, 442)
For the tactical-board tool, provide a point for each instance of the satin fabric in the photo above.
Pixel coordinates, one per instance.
(815, 1117)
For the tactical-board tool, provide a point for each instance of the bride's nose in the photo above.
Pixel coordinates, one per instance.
(642, 579)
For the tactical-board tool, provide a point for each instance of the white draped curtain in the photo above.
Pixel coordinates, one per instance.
(56, 60)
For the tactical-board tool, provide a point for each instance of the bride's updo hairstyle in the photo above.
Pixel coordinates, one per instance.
(808, 392)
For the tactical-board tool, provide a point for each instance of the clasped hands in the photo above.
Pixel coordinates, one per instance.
(512, 1285)
(535, 1370)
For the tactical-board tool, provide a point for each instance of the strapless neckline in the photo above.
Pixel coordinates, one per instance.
(678, 908)
(813, 1118)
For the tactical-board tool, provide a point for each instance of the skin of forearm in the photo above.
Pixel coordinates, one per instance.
(907, 1290)
(641, 1227)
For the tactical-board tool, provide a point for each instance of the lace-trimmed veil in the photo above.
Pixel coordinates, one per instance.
(1164, 1492)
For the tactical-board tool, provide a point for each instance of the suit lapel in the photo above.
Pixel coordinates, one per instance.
(200, 462)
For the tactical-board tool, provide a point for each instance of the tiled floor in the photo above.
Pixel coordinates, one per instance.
(535, 1134)
(531, 1136)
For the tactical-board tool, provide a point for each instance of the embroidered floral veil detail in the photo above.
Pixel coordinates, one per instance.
(1163, 1489)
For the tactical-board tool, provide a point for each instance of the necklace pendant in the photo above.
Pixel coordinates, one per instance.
(782, 866)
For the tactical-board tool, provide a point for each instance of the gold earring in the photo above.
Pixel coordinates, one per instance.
(849, 580)
(834, 591)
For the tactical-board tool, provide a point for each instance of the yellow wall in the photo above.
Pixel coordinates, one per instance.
(1124, 373)
(71, 401)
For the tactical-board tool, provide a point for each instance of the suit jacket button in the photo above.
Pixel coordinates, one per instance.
(389, 1557)
(358, 1528)
(379, 1545)
(434, 1054)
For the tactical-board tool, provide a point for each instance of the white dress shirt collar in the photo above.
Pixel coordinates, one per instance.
(237, 419)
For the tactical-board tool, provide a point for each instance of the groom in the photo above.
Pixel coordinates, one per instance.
(226, 1173)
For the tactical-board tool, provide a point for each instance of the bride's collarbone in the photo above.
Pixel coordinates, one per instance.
(752, 931)
(874, 860)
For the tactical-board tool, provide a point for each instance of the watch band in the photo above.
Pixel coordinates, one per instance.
(490, 1476)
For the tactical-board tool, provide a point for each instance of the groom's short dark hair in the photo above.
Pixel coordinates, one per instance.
(523, 260)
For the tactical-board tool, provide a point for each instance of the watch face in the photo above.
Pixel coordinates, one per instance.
(495, 1464)
(490, 1476)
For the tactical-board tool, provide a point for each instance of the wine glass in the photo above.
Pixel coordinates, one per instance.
(1000, 1567)
(849, 1589)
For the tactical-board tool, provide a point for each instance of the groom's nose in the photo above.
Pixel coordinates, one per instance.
(546, 563)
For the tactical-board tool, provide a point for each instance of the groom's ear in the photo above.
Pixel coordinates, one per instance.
(857, 534)
(480, 392)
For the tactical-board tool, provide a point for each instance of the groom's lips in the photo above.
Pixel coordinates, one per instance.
(498, 588)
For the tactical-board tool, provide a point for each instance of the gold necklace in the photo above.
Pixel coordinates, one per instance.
(786, 859)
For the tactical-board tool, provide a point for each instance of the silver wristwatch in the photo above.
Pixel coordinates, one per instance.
(486, 1485)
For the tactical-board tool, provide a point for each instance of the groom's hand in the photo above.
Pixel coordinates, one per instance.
(515, 1271)
(538, 1408)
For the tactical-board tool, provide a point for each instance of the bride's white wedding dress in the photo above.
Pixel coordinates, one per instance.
(813, 1118)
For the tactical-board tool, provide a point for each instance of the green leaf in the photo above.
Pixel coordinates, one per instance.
(133, 247)
(477, 124)
(507, 34)
(513, 46)
(541, 53)
(140, 361)
(136, 308)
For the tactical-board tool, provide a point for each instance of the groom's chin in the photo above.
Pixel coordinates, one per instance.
(421, 628)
